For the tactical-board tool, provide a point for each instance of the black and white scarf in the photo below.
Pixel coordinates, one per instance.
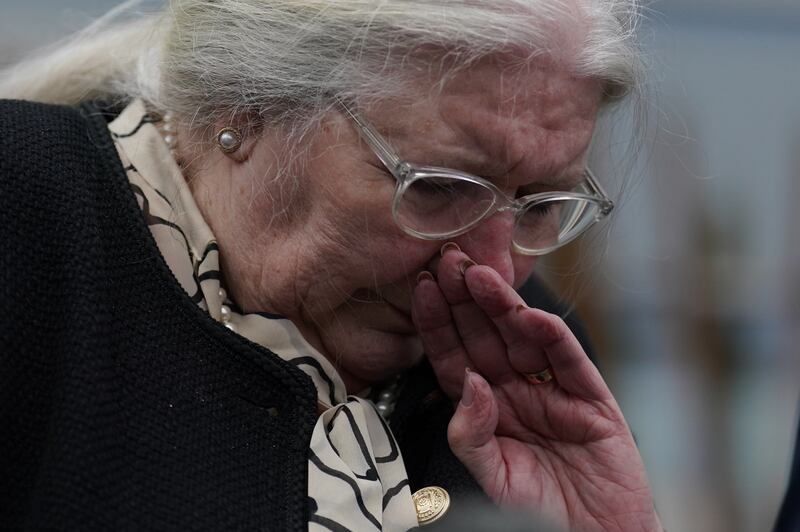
(356, 476)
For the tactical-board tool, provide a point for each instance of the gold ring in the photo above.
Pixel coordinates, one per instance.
(540, 377)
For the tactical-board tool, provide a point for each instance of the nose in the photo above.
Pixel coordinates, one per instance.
(490, 244)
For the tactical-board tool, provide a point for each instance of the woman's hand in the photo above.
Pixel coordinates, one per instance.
(560, 449)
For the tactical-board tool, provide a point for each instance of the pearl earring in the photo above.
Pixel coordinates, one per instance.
(229, 139)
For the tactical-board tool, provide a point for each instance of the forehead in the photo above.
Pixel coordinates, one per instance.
(501, 114)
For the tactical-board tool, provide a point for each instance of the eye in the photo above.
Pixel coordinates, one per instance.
(541, 210)
(439, 186)
(439, 204)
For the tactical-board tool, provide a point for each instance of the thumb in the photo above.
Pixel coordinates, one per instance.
(471, 434)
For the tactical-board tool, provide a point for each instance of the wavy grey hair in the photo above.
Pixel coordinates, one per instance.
(286, 59)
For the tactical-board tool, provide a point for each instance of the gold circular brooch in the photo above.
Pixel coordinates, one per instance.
(431, 503)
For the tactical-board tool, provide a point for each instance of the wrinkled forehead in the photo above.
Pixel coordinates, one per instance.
(541, 91)
(504, 111)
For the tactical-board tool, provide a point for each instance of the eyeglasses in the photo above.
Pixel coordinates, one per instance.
(434, 203)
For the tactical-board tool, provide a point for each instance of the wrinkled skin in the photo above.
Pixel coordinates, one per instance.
(320, 247)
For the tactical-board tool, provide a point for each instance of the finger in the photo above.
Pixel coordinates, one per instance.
(535, 339)
(471, 434)
(570, 365)
(450, 276)
(483, 343)
(504, 306)
(430, 313)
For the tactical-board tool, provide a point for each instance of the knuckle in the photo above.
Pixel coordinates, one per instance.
(552, 328)
(458, 435)
(431, 317)
(473, 335)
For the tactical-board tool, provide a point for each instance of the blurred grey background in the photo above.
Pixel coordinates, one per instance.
(692, 291)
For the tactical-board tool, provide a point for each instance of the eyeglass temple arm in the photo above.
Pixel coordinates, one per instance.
(384, 152)
(597, 188)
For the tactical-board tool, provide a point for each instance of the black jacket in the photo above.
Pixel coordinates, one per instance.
(122, 404)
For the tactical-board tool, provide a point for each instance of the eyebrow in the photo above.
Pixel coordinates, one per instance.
(559, 182)
(574, 180)
(371, 135)
(478, 163)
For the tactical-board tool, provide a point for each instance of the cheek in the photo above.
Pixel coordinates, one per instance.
(397, 257)
(359, 246)
(355, 212)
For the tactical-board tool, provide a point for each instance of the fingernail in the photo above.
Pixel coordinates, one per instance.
(520, 308)
(468, 393)
(447, 246)
(466, 265)
(424, 276)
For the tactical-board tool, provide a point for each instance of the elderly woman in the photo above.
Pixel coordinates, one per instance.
(259, 268)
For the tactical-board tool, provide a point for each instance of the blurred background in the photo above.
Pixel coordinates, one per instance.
(692, 291)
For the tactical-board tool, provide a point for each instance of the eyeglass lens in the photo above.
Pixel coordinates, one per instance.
(553, 222)
(438, 205)
(441, 204)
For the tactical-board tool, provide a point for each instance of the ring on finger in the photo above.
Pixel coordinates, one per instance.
(540, 377)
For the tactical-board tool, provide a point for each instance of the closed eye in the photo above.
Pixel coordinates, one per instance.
(541, 209)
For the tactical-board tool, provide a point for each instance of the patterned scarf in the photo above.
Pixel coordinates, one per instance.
(356, 476)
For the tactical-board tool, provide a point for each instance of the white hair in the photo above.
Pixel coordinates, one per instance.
(283, 59)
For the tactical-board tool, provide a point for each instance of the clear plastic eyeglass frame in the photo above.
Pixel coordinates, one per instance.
(592, 195)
